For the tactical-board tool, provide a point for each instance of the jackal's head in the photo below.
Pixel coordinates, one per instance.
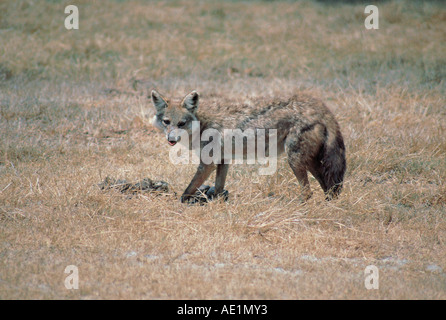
(174, 117)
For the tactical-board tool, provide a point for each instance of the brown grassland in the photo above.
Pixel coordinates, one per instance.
(74, 110)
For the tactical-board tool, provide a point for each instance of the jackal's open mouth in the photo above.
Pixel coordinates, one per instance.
(172, 143)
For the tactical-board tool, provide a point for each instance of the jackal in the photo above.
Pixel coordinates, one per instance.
(305, 129)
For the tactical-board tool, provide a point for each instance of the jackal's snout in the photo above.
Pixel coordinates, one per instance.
(173, 136)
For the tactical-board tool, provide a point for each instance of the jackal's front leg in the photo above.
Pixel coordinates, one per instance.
(203, 172)
(218, 191)
(220, 179)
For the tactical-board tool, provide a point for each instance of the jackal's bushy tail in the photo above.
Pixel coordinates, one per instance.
(333, 164)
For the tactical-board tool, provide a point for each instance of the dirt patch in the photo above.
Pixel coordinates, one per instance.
(144, 185)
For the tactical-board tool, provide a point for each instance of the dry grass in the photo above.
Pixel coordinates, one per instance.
(73, 108)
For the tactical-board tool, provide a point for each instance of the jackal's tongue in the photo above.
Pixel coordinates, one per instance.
(172, 143)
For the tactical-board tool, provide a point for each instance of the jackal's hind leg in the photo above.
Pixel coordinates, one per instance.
(318, 174)
(302, 177)
(303, 148)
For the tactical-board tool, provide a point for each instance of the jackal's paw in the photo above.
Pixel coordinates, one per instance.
(211, 195)
(203, 195)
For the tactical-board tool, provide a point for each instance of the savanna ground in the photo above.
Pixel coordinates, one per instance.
(74, 110)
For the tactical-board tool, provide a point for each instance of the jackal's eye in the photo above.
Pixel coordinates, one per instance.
(166, 122)
(181, 124)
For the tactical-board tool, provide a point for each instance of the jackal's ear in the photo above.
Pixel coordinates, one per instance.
(190, 102)
(158, 101)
